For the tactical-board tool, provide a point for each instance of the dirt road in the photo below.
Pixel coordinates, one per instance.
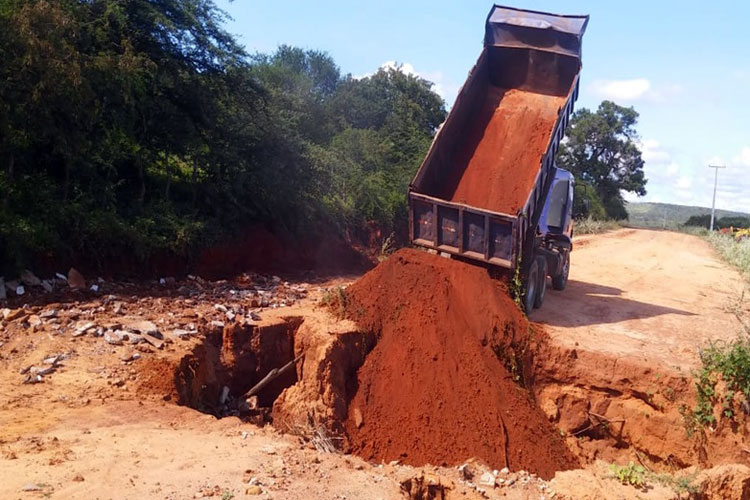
(650, 296)
(103, 425)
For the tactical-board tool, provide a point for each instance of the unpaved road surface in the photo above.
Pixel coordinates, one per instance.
(624, 335)
(645, 296)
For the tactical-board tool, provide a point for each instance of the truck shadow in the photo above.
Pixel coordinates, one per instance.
(583, 304)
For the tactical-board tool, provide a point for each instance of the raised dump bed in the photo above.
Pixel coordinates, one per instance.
(484, 183)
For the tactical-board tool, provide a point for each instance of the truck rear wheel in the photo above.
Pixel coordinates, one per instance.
(531, 284)
(560, 281)
(541, 288)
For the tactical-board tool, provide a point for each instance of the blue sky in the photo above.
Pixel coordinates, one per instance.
(684, 66)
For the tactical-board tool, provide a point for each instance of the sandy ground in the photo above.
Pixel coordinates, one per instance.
(88, 432)
(649, 296)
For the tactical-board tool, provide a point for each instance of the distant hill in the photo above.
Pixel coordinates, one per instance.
(668, 215)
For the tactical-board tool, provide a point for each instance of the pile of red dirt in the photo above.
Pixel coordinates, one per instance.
(505, 150)
(436, 388)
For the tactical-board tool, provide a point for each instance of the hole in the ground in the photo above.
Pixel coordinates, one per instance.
(216, 376)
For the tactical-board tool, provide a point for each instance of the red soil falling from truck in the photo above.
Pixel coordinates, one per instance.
(435, 388)
(503, 156)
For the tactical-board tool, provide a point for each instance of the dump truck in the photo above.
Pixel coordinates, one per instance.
(488, 190)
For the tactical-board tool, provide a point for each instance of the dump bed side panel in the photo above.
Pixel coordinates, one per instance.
(525, 50)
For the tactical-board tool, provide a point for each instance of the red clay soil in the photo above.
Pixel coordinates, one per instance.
(435, 388)
(504, 160)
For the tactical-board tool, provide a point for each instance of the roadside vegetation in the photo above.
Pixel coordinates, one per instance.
(730, 365)
(640, 477)
(735, 251)
(129, 128)
(589, 225)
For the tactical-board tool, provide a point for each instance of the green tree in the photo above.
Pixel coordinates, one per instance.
(601, 149)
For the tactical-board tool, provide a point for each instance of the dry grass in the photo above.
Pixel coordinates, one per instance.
(594, 226)
(735, 252)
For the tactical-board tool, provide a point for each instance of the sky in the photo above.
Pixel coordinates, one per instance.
(684, 66)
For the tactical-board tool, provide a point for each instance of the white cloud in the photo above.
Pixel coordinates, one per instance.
(445, 88)
(652, 152)
(621, 90)
(684, 182)
(636, 89)
(742, 159)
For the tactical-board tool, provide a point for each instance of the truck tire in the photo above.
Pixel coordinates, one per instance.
(530, 284)
(560, 281)
(541, 289)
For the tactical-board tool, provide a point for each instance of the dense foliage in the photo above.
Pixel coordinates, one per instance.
(140, 126)
(602, 152)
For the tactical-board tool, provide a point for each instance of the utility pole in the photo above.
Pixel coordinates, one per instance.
(716, 181)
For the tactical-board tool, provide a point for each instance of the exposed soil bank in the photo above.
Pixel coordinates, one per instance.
(503, 157)
(258, 249)
(235, 357)
(437, 388)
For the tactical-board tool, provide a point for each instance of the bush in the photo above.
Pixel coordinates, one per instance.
(735, 252)
(590, 225)
(586, 203)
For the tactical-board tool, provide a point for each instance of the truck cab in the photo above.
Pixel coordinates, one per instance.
(554, 235)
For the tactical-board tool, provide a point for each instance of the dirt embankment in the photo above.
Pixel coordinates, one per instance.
(502, 158)
(437, 387)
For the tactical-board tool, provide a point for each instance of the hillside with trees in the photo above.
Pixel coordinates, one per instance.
(670, 216)
(129, 128)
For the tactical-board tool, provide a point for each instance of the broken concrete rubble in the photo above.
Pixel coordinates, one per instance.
(76, 281)
(29, 279)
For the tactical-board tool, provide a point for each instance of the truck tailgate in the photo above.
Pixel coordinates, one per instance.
(462, 230)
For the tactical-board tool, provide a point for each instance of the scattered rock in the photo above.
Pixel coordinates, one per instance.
(154, 341)
(29, 279)
(20, 290)
(34, 320)
(54, 360)
(111, 338)
(255, 316)
(143, 327)
(32, 379)
(94, 288)
(81, 330)
(31, 487)
(487, 479)
(253, 490)
(48, 314)
(181, 334)
(78, 478)
(76, 281)
(220, 307)
(35, 370)
(133, 356)
(14, 314)
(47, 286)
